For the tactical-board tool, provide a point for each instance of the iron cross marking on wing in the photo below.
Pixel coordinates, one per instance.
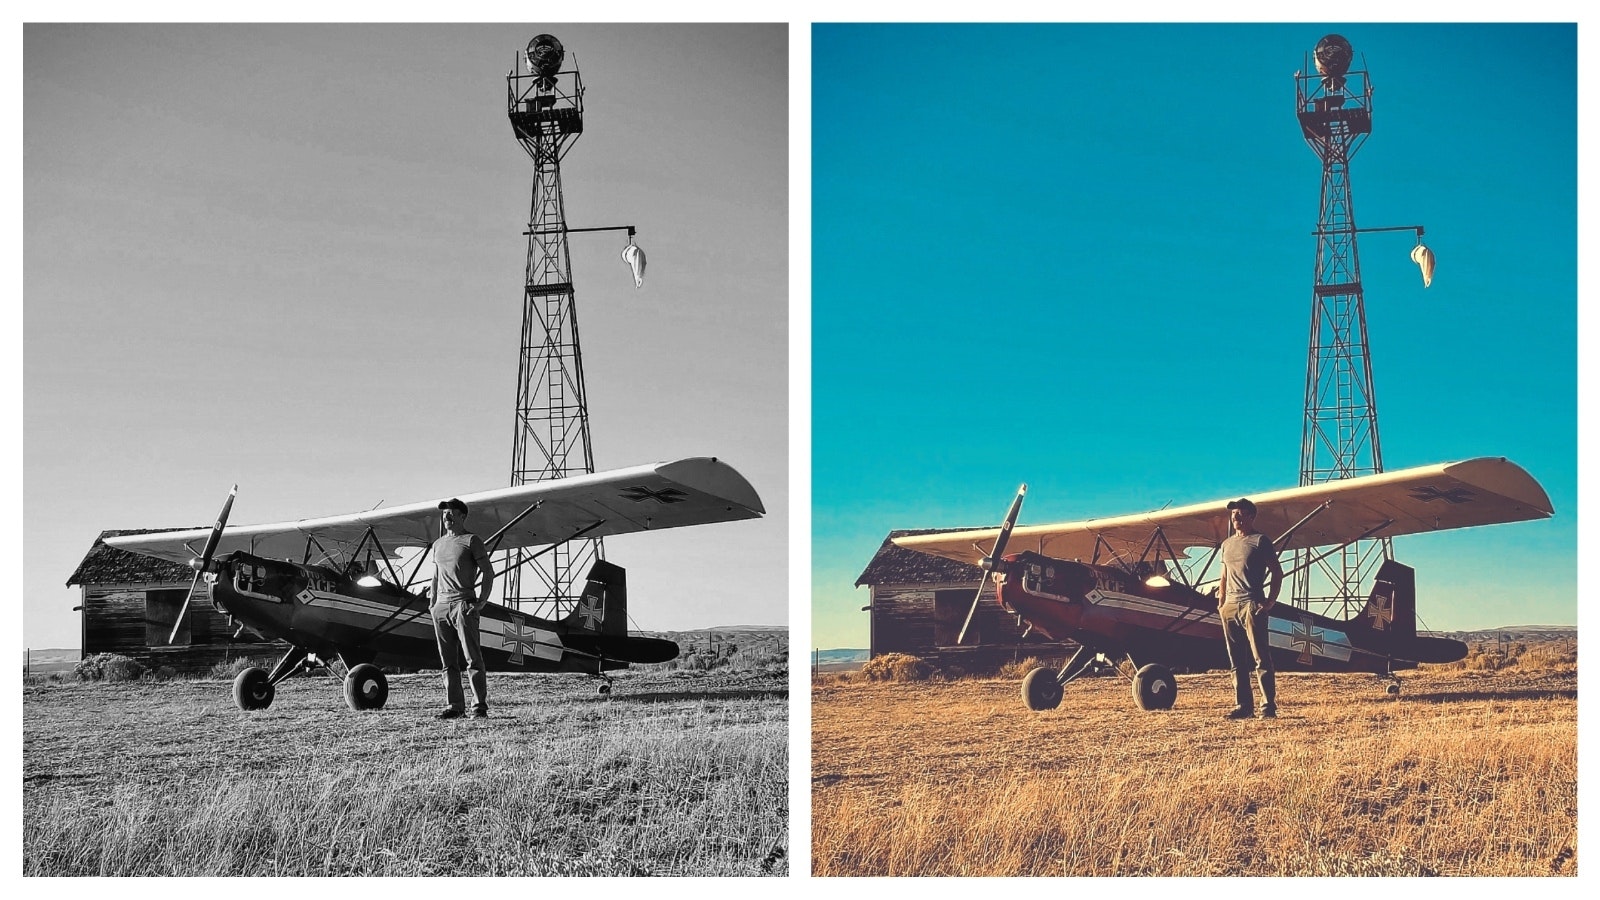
(1428, 494)
(639, 494)
(1306, 639)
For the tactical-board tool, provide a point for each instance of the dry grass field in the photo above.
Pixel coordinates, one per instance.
(676, 773)
(1469, 771)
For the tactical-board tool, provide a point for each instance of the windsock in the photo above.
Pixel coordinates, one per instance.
(634, 257)
(1423, 257)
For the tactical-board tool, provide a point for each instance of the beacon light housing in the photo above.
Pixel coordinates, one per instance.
(545, 55)
(1333, 54)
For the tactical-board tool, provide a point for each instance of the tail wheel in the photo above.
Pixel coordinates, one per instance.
(1040, 690)
(366, 687)
(1154, 687)
(1392, 689)
(253, 689)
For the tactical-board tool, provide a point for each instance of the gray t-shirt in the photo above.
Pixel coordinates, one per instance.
(459, 558)
(1245, 561)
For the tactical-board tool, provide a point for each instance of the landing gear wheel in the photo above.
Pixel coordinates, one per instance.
(1392, 689)
(1040, 690)
(366, 687)
(1154, 687)
(253, 689)
(605, 688)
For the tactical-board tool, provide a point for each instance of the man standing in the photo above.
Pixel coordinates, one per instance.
(459, 558)
(1243, 599)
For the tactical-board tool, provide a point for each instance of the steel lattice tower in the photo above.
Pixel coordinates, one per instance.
(1340, 435)
(551, 437)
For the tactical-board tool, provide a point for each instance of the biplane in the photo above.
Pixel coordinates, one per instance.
(1132, 586)
(333, 587)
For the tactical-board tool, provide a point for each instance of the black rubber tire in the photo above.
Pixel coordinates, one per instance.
(366, 688)
(1392, 689)
(1040, 690)
(1154, 687)
(605, 688)
(253, 689)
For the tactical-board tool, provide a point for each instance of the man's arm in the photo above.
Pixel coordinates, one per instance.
(486, 566)
(1222, 583)
(1274, 577)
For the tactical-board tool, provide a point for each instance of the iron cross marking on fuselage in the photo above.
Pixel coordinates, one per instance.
(1305, 638)
(665, 495)
(1428, 494)
(519, 638)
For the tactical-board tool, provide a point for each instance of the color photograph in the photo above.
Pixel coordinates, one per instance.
(1111, 572)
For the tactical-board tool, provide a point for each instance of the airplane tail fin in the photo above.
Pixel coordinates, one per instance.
(603, 606)
(1388, 624)
(1391, 611)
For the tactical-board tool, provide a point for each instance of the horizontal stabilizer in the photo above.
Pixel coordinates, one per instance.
(623, 648)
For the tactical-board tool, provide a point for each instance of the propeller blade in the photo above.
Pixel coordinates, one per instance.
(994, 559)
(204, 563)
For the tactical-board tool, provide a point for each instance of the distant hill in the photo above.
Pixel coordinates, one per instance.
(1524, 633)
(44, 662)
(838, 656)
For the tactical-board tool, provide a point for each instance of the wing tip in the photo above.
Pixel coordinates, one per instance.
(1504, 477)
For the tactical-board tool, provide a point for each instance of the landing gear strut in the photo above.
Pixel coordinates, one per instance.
(254, 688)
(1041, 688)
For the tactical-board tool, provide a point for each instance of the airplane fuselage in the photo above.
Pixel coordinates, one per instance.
(330, 614)
(1117, 613)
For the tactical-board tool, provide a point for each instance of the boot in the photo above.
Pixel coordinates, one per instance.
(1244, 703)
(1269, 694)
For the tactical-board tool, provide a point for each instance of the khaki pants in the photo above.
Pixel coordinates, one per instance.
(455, 626)
(1244, 630)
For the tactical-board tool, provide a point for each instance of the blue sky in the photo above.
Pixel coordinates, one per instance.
(290, 256)
(1080, 256)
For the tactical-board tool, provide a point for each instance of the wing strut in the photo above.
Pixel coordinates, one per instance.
(571, 537)
(494, 542)
(1321, 507)
(1363, 536)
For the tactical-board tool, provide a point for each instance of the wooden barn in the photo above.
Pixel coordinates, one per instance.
(918, 602)
(130, 602)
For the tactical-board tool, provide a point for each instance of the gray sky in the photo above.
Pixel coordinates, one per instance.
(290, 257)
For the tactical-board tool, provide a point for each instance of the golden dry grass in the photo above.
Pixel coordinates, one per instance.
(674, 774)
(1465, 773)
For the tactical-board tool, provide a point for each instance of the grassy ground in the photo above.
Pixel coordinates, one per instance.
(1467, 772)
(676, 773)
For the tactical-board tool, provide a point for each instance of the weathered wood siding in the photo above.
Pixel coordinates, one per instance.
(134, 620)
(923, 620)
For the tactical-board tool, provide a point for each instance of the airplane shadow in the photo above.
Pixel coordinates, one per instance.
(1460, 696)
(670, 696)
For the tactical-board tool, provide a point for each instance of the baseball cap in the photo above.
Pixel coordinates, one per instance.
(1241, 503)
(454, 504)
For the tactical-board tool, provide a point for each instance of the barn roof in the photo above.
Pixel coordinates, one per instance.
(108, 565)
(893, 564)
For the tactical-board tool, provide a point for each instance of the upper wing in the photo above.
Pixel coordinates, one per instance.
(1481, 491)
(643, 498)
